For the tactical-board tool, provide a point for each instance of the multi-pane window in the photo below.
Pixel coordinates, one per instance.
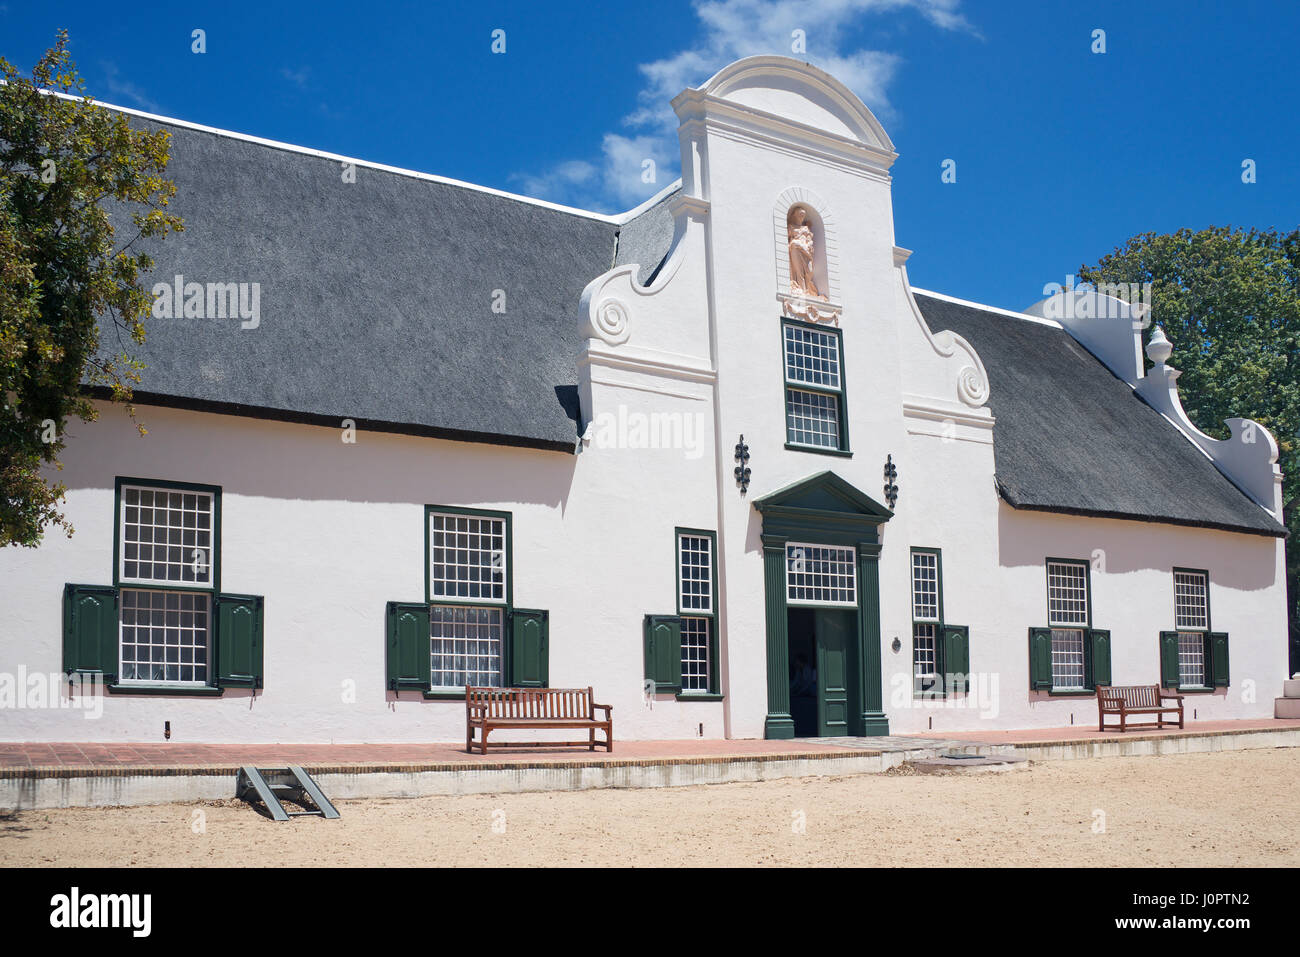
(1191, 600)
(1192, 620)
(695, 654)
(695, 563)
(696, 605)
(165, 536)
(820, 575)
(814, 386)
(925, 657)
(1067, 605)
(165, 539)
(925, 622)
(925, 586)
(1191, 660)
(465, 646)
(164, 636)
(467, 557)
(1067, 593)
(812, 419)
(468, 593)
(812, 356)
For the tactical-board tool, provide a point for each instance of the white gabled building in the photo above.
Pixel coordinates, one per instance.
(469, 437)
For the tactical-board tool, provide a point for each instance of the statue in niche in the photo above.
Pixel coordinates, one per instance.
(802, 255)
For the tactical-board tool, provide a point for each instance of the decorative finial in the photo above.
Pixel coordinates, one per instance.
(1159, 349)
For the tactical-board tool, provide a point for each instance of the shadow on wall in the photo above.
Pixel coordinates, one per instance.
(1236, 560)
(279, 460)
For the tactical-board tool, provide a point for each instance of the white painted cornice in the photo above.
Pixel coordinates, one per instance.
(653, 362)
(699, 113)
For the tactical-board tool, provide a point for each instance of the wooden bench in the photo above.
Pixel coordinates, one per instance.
(488, 709)
(1125, 700)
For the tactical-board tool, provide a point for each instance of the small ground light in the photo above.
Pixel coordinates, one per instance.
(167, 730)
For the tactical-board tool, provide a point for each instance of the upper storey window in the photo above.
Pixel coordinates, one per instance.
(814, 387)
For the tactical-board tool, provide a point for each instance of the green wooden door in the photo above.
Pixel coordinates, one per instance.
(835, 637)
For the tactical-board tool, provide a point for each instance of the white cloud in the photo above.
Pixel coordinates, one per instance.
(732, 29)
(125, 93)
(298, 78)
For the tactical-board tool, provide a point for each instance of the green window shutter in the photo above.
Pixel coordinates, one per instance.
(663, 652)
(1099, 646)
(529, 648)
(956, 655)
(239, 641)
(408, 646)
(1040, 659)
(1217, 659)
(1169, 659)
(90, 630)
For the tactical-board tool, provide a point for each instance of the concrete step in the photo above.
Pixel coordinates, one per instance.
(1291, 688)
(1286, 707)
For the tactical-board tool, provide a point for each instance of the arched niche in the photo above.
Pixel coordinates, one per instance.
(825, 261)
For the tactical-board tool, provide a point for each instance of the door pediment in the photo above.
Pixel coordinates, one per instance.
(822, 507)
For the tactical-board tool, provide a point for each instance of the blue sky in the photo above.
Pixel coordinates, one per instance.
(1061, 153)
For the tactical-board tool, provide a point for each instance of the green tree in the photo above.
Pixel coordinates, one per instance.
(1229, 300)
(66, 278)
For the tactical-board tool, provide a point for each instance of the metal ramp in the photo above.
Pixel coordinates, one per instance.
(268, 784)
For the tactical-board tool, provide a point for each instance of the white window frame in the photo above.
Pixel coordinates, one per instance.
(1182, 620)
(684, 600)
(702, 680)
(837, 375)
(702, 618)
(434, 583)
(917, 607)
(496, 525)
(1191, 651)
(925, 649)
(833, 394)
(852, 574)
(466, 656)
(1082, 634)
(208, 611)
(1068, 621)
(190, 560)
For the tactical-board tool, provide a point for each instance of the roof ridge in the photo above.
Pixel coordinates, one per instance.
(997, 310)
(614, 219)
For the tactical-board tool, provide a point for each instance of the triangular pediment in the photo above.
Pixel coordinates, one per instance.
(824, 492)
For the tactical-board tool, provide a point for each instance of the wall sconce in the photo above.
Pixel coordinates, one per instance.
(742, 470)
(891, 487)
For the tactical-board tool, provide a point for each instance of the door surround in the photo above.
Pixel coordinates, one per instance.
(825, 509)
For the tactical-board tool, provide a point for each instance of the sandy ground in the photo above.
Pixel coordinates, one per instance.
(1232, 809)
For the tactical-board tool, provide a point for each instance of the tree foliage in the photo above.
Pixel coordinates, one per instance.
(68, 283)
(1229, 300)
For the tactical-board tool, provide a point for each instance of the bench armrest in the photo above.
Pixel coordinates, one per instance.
(473, 710)
(1171, 695)
(602, 707)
